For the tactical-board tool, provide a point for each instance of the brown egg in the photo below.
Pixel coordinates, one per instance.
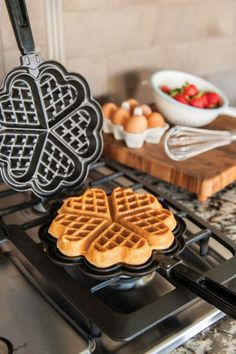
(133, 104)
(109, 109)
(120, 116)
(155, 120)
(146, 109)
(137, 123)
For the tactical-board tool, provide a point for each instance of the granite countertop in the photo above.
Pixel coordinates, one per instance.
(219, 210)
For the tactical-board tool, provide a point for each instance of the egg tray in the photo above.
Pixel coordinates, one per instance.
(49, 245)
(134, 140)
(50, 129)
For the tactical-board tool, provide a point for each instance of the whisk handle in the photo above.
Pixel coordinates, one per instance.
(18, 14)
(233, 135)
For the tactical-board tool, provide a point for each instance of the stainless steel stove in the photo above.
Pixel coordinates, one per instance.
(40, 318)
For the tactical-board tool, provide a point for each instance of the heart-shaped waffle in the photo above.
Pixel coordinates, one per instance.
(125, 201)
(76, 232)
(93, 202)
(88, 226)
(118, 244)
(155, 225)
(50, 129)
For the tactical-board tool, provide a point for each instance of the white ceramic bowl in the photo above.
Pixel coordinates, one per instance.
(178, 113)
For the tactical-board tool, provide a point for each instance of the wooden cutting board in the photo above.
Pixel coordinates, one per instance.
(204, 174)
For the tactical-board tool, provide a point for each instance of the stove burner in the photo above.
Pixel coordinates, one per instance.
(127, 282)
(5, 346)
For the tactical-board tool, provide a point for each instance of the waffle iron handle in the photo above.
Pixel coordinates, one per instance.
(214, 293)
(17, 11)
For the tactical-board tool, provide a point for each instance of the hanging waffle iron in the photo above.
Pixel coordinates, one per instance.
(50, 124)
(50, 134)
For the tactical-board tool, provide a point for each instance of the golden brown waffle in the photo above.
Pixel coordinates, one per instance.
(93, 202)
(125, 201)
(154, 225)
(124, 230)
(76, 232)
(117, 244)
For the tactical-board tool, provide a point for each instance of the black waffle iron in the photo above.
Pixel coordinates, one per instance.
(50, 124)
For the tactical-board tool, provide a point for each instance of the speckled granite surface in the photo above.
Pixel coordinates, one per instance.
(219, 210)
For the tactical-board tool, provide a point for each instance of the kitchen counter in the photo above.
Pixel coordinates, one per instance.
(219, 210)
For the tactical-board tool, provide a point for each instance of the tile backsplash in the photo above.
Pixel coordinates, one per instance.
(116, 44)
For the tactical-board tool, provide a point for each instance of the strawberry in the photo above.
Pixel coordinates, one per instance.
(165, 89)
(198, 102)
(190, 90)
(213, 99)
(180, 97)
(204, 100)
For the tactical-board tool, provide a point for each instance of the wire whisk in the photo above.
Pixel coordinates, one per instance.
(182, 143)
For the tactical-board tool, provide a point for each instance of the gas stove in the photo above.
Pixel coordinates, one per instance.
(43, 305)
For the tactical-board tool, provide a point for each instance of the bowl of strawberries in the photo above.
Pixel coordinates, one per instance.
(186, 99)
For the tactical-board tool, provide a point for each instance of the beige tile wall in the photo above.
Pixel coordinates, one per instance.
(117, 43)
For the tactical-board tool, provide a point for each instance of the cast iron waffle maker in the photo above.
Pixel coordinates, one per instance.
(42, 108)
(167, 262)
(119, 269)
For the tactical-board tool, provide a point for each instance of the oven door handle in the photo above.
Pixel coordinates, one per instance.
(214, 293)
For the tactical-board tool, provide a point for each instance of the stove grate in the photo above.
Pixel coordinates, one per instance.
(87, 303)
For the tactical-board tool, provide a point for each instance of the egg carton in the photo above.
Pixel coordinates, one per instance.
(134, 140)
